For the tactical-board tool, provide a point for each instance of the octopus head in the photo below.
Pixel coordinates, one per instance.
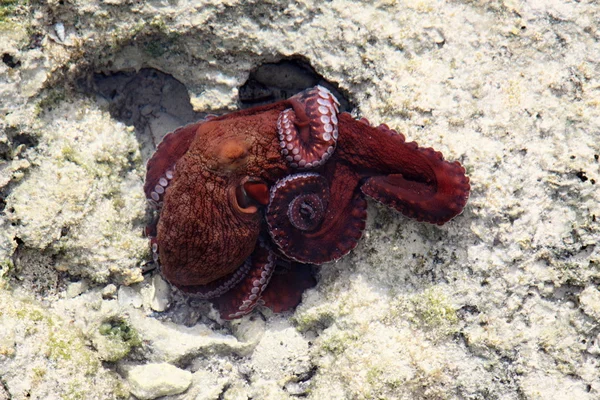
(210, 219)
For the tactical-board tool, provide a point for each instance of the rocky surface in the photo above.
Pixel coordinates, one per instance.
(150, 381)
(502, 302)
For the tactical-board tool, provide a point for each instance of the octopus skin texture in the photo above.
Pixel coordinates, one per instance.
(244, 204)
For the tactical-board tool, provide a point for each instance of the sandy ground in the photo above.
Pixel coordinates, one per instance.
(500, 303)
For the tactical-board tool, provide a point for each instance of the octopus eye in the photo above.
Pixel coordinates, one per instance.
(251, 194)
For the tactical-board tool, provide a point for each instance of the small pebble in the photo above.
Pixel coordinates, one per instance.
(154, 380)
(75, 289)
(59, 28)
(161, 294)
(109, 292)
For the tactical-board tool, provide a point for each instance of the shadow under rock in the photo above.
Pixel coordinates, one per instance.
(153, 102)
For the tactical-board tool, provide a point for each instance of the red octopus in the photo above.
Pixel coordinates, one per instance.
(246, 202)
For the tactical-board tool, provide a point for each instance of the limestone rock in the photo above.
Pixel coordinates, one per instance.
(150, 381)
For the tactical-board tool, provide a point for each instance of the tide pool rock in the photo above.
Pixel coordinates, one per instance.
(154, 380)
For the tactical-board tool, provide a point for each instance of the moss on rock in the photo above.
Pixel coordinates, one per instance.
(57, 362)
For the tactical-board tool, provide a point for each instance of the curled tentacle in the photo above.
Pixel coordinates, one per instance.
(298, 203)
(435, 202)
(161, 167)
(246, 295)
(309, 130)
(219, 286)
(313, 223)
(414, 180)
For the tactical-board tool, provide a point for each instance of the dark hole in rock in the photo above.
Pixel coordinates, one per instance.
(4, 151)
(35, 270)
(468, 309)
(153, 102)
(10, 60)
(35, 40)
(277, 81)
(4, 392)
(16, 138)
(11, 150)
(582, 175)
(23, 138)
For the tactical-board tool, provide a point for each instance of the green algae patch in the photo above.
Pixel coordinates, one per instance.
(66, 347)
(315, 318)
(5, 266)
(10, 9)
(339, 342)
(57, 362)
(430, 311)
(115, 339)
(433, 310)
(372, 345)
(7, 8)
(370, 360)
(49, 99)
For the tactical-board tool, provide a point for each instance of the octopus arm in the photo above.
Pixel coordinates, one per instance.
(287, 285)
(327, 233)
(173, 146)
(416, 181)
(246, 295)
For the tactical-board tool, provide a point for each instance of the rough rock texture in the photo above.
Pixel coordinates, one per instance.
(150, 381)
(44, 356)
(81, 200)
(502, 302)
